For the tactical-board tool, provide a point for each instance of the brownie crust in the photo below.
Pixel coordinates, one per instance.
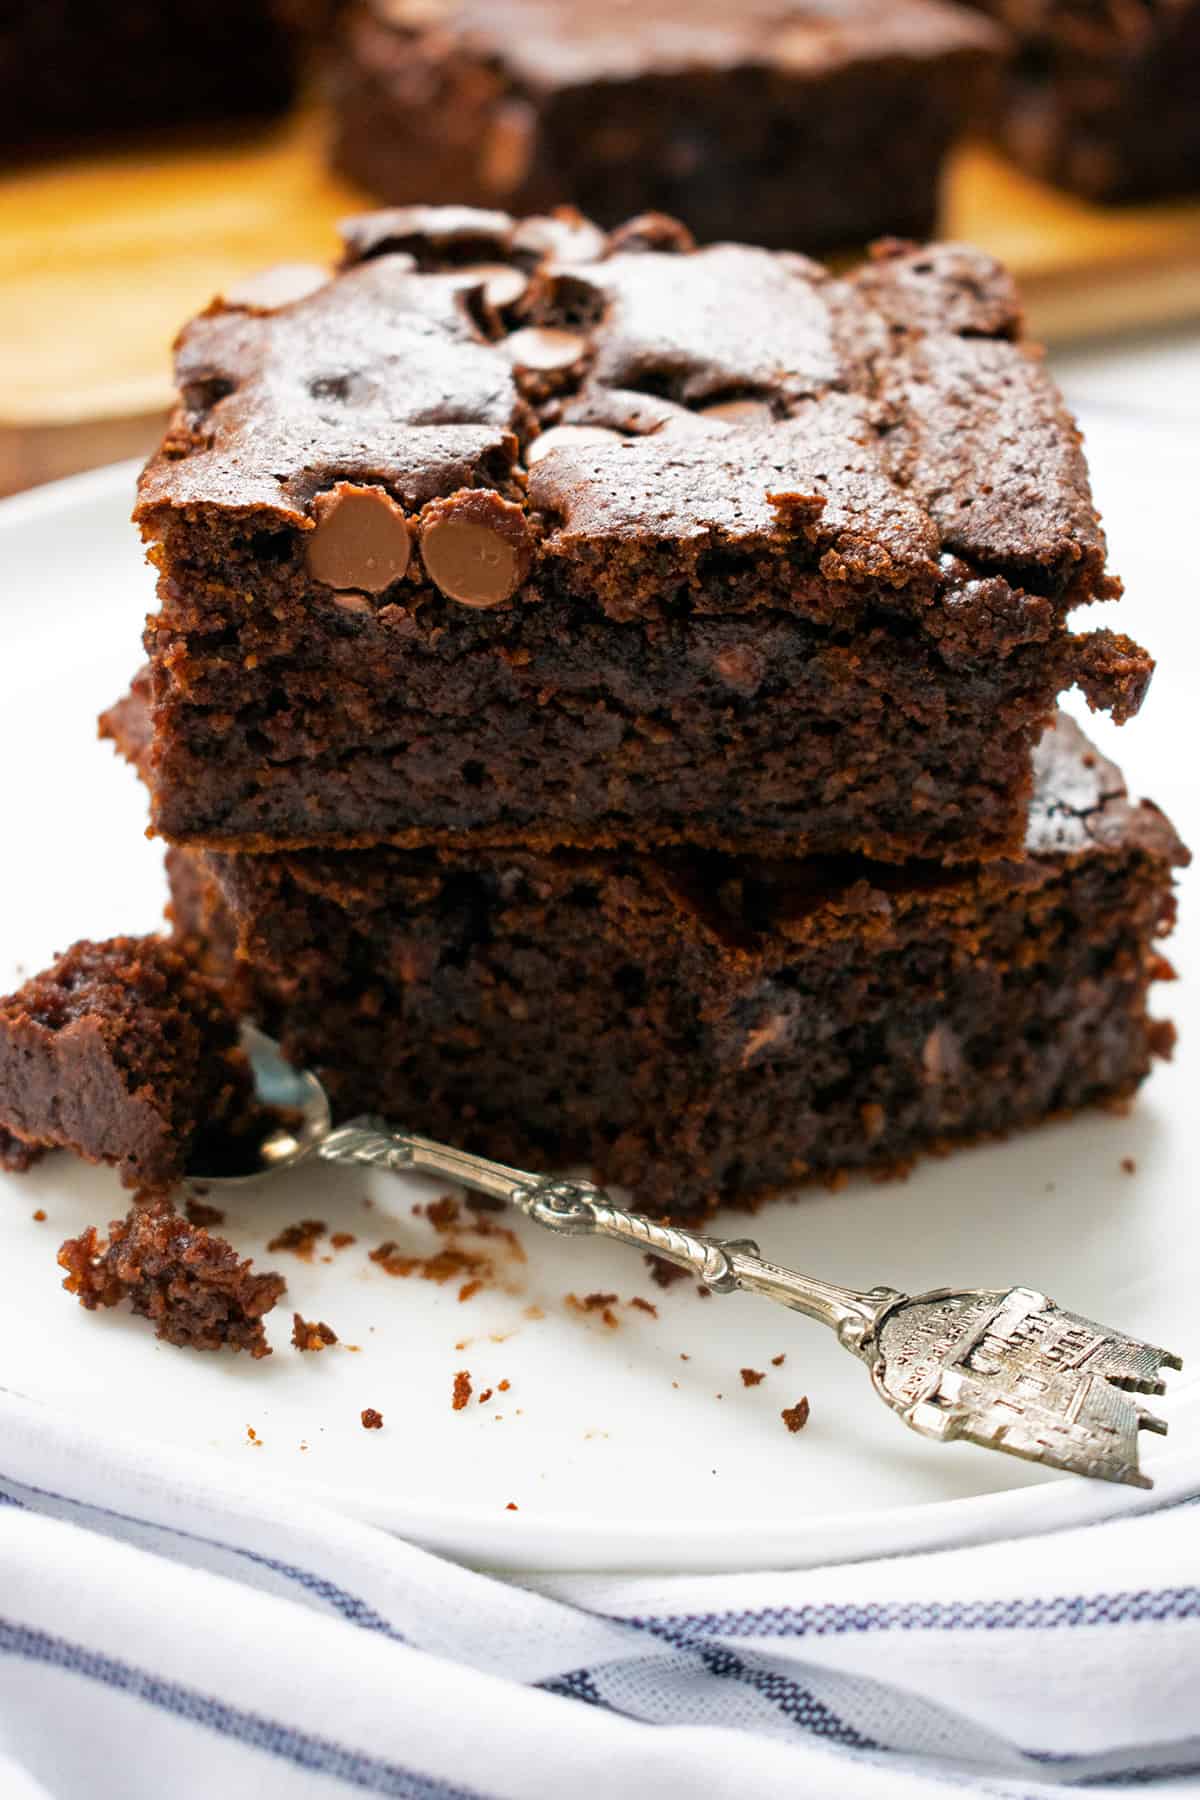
(195, 1288)
(520, 533)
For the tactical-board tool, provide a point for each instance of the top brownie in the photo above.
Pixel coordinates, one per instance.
(816, 125)
(517, 531)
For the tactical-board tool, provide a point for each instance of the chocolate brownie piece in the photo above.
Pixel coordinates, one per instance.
(200, 1294)
(701, 1027)
(1102, 97)
(71, 70)
(521, 533)
(807, 127)
(125, 1054)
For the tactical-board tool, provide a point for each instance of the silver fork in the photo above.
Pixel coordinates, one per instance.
(1006, 1369)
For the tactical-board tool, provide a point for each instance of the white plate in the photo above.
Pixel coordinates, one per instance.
(616, 1450)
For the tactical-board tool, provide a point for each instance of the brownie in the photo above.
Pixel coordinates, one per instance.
(125, 1054)
(806, 128)
(701, 1027)
(1104, 98)
(518, 533)
(71, 70)
(200, 1294)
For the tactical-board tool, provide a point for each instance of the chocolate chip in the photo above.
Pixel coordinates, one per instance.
(569, 437)
(544, 347)
(738, 412)
(475, 546)
(361, 539)
(653, 231)
(502, 284)
(563, 236)
(271, 289)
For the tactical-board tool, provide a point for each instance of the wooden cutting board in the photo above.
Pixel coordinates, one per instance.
(101, 260)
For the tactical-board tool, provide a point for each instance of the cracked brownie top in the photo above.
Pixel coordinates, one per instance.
(488, 412)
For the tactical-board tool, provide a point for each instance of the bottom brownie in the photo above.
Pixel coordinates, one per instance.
(700, 1028)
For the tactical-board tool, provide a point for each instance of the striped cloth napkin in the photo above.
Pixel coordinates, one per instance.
(174, 1629)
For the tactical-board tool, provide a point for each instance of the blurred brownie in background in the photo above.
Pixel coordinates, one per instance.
(71, 70)
(1104, 95)
(810, 127)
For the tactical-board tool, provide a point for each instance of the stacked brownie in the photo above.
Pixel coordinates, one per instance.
(603, 699)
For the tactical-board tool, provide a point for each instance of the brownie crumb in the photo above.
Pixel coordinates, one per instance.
(300, 1238)
(796, 1417)
(596, 1303)
(371, 1420)
(703, 1293)
(665, 1274)
(449, 1263)
(512, 1507)
(1129, 1166)
(311, 1334)
(443, 1213)
(341, 1240)
(469, 1289)
(198, 1212)
(462, 1390)
(485, 1396)
(646, 1306)
(504, 1386)
(40, 1215)
(752, 1377)
(777, 1362)
(195, 1287)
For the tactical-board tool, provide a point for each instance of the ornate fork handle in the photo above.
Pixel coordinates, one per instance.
(1006, 1369)
(579, 1208)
